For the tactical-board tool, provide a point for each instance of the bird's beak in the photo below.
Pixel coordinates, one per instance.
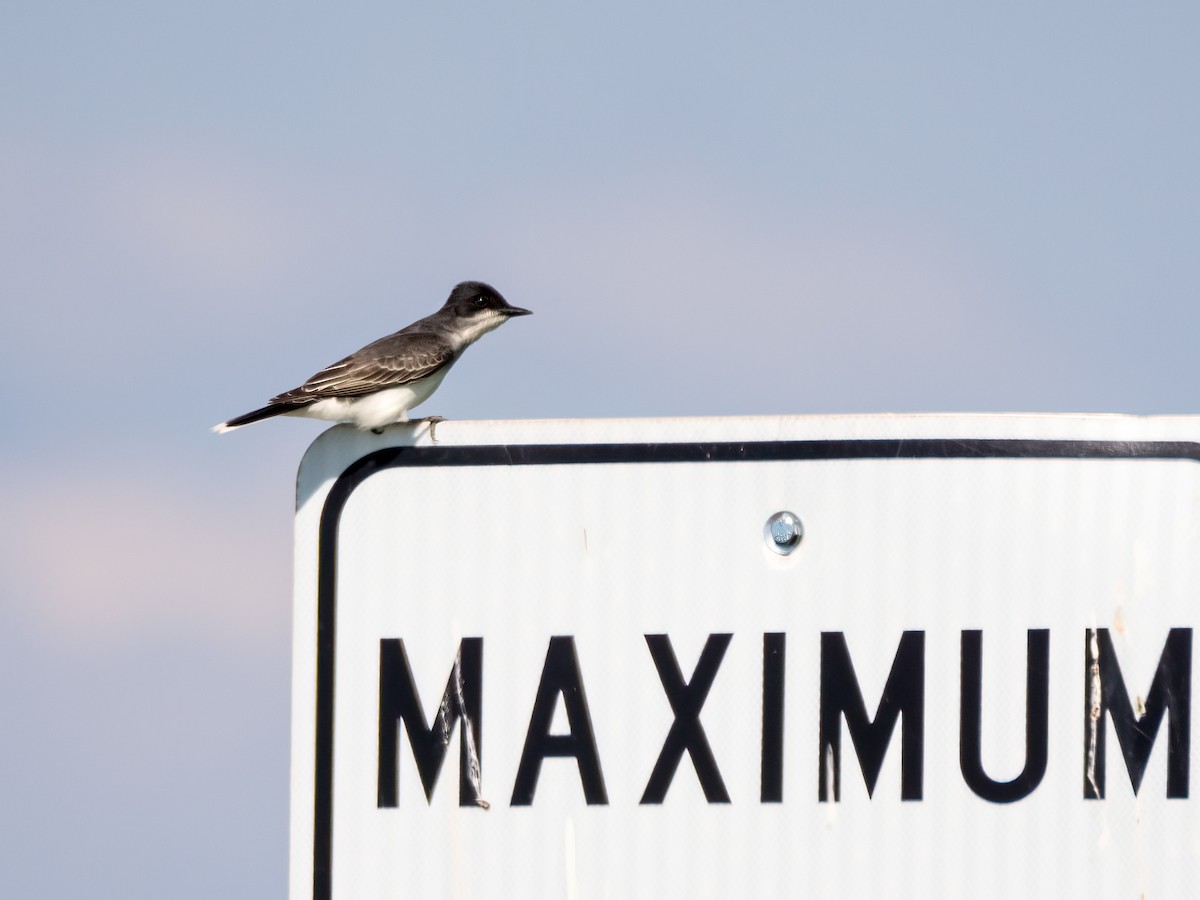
(516, 311)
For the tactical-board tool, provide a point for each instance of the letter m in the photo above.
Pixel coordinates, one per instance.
(398, 702)
(904, 694)
(1136, 728)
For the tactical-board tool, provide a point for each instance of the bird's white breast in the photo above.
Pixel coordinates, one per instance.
(375, 410)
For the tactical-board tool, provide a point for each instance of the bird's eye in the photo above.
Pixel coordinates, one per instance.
(481, 302)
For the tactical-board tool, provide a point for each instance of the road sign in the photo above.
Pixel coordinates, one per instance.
(875, 656)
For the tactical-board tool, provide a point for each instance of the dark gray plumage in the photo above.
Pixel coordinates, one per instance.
(380, 383)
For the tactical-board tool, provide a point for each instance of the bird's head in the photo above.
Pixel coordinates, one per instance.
(476, 300)
(474, 309)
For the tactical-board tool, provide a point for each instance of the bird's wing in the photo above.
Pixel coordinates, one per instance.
(389, 362)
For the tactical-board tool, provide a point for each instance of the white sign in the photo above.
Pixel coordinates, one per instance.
(590, 659)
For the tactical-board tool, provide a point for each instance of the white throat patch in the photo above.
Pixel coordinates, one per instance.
(477, 327)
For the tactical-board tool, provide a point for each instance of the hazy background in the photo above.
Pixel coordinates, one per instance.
(783, 208)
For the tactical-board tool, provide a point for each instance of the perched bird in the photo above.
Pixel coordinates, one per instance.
(380, 383)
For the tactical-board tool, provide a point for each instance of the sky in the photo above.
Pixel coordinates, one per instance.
(712, 209)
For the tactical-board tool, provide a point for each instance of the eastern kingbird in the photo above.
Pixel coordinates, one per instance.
(380, 383)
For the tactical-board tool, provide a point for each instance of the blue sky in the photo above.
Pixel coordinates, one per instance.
(774, 208)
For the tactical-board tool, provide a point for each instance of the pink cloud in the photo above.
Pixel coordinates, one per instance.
(113, 559)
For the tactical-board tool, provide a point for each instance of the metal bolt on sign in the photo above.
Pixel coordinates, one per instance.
(783, 532)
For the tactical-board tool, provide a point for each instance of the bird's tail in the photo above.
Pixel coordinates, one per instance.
(267, 412)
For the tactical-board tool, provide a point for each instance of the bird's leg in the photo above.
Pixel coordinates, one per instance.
(433, 421)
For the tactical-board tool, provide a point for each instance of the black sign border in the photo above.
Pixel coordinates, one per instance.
(592, 454)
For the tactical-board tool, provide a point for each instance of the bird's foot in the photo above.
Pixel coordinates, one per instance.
(433, 421)
(376, 431)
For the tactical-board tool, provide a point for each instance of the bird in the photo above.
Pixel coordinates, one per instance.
(379, 384)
